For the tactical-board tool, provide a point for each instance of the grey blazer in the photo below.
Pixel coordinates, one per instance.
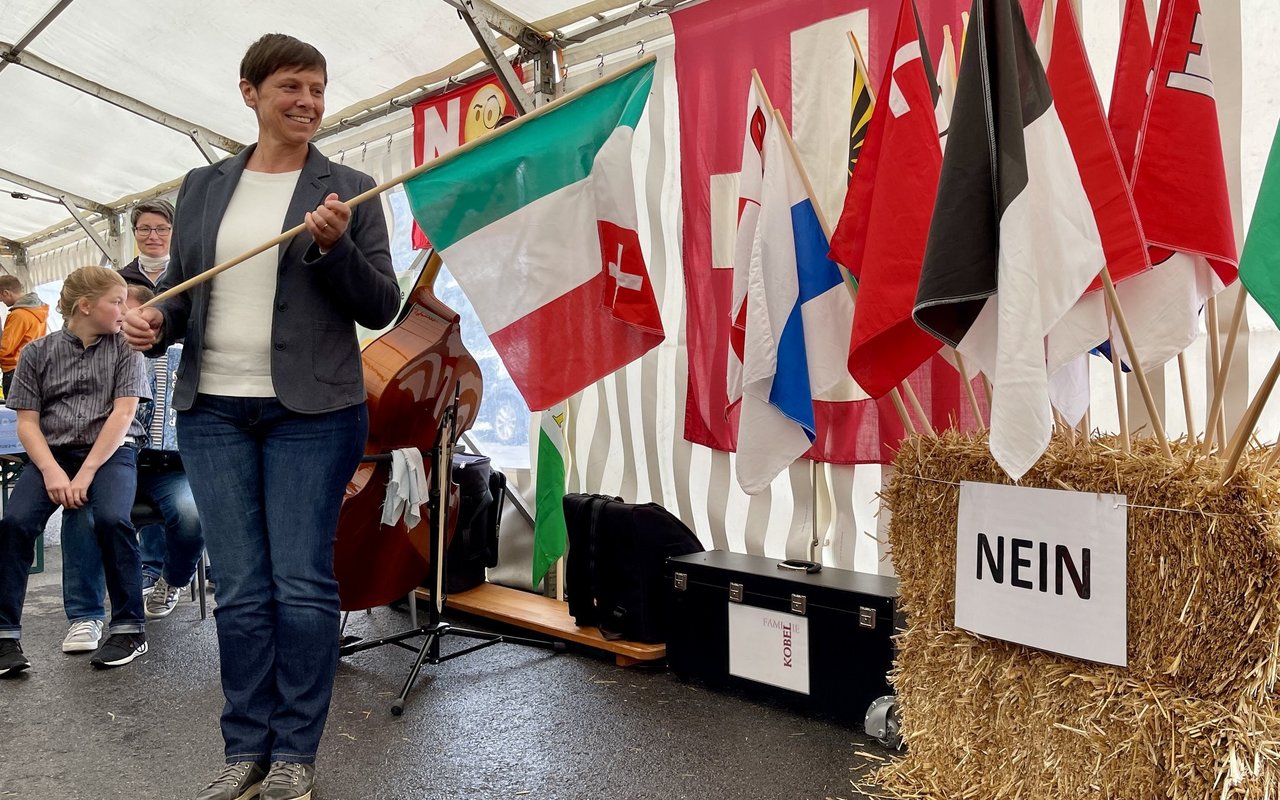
(315, 357)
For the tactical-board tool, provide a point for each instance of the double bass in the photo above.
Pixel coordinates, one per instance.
(411, 375)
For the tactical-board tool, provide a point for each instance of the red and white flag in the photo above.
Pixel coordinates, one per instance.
(1079, 106)
(1180, 188)
(884, 226)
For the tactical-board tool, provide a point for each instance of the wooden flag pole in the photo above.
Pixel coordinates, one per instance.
(1118, 375)
(1186, 397)
(1060, 422)
(1271, 459)
(209, 274)
(896, 399)
(968, 387)
(949, 44)
(918, 408)
(764, 94)
(1148, 398)
(1244, 431)
(1215, 363)
(862, 65)
(848, 281)
(1215, 342)
(1220, 385)
(1221, 428)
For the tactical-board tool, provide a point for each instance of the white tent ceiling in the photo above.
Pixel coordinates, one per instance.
(182, 58)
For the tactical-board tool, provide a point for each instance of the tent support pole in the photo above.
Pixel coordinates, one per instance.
(494, 54)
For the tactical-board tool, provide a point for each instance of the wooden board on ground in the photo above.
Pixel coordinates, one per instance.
(544, 615)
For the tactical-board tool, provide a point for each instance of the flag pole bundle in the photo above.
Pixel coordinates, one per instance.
(1203, 581)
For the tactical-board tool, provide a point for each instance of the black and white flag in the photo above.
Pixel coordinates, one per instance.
(1013, 243)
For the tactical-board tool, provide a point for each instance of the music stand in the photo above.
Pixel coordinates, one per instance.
(436, 628)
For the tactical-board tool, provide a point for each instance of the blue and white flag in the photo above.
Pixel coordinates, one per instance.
(799, 315)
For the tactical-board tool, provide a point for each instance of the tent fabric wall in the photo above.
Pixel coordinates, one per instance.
(55, 260)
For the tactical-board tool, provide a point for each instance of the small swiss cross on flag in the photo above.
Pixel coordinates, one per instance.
(628, 293)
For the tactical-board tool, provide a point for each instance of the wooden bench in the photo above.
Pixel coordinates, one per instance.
(546, 616)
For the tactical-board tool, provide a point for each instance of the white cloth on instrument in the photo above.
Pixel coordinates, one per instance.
(407, 488)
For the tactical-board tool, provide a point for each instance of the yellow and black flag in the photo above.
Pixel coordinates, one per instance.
(863, 102)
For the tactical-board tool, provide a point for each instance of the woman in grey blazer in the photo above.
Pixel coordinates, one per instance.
(271, 406)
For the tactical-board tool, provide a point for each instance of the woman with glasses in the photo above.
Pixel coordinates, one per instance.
(271, 406)
(152, 227)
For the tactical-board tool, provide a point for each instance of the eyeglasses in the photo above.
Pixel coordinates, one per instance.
(144, 231)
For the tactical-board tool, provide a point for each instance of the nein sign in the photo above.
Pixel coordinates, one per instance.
(1044, 568)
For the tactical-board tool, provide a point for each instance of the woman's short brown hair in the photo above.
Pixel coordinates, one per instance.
(277, 51)
(158, 206)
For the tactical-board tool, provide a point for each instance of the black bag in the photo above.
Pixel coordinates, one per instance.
(617, 552)
(475, 541)
(581, 516)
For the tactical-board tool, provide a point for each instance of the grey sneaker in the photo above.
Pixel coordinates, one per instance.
(83, 636)
(162, 600)
(289, 781)
(239, 781)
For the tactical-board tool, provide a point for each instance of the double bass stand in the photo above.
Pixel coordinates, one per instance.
(435, 629)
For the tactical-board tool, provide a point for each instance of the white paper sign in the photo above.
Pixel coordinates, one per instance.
(769, 646)
(1044, 568)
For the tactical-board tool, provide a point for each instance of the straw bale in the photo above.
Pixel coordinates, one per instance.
(1190, 717)
(1204, 593)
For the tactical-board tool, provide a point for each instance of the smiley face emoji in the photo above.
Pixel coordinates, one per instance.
(484, 112)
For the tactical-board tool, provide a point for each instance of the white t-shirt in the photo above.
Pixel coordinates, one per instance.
(236, 361)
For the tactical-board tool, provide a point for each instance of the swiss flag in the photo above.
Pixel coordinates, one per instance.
(628, 292)
(884, 226)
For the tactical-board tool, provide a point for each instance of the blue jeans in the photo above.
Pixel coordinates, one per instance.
(110, 500)
(269, 483)
(179, 547)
